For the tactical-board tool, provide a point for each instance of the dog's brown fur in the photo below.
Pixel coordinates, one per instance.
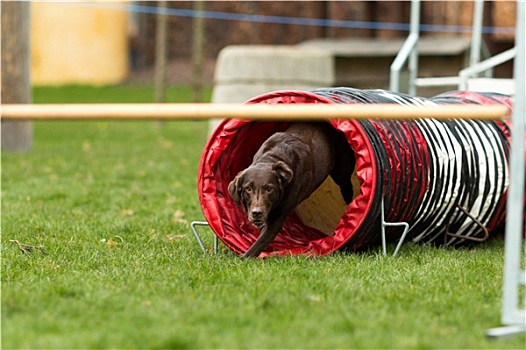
(286, 169)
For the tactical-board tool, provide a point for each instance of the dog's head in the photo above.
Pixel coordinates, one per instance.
(259, 189)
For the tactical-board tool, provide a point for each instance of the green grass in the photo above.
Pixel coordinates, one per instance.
(103, 94)
(111, 202)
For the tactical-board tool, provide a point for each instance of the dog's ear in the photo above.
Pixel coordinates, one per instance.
(284, 172)
(235, 188)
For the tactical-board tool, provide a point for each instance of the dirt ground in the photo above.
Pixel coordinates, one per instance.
(179, 72)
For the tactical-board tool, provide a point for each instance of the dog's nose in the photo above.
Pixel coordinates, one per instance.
(257, 213)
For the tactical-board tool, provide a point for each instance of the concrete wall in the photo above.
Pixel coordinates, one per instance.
(76, 44)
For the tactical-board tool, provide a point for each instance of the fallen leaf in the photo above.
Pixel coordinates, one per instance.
(119, 167)
(127, 212)
(314, 298)
(86, 146)
(171, 200)
(152, 234)
(179, 217)
(171, 238)
(166, 144)
(111, 243)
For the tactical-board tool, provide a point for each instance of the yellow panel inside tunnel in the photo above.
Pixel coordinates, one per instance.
(325, 206)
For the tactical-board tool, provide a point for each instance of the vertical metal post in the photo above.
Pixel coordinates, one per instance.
(413, 58)
(515, 209)
(513, 317)
(408, 49)
(161, 53)
(476, 34)
(198, 37)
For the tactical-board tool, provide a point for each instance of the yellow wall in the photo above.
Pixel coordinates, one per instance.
(76, 44)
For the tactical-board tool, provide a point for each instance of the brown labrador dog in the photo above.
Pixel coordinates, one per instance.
(288, 167)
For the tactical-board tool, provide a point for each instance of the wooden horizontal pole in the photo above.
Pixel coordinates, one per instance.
(178, 111)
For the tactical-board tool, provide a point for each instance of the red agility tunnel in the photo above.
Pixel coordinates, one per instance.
(446, 179)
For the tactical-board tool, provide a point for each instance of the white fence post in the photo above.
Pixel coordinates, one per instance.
(513, 316)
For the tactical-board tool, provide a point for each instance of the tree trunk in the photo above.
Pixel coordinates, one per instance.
(161, 53)
(15, 72)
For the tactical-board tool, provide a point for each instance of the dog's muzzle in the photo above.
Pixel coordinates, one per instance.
(256, 218)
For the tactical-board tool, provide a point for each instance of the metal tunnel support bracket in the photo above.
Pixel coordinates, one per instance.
(483, 229)
(385, 224)
(193, 226)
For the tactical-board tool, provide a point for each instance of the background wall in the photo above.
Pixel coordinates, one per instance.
(220, 33)
(75, 43)
(71, 43)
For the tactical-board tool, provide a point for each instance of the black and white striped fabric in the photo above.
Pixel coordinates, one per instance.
(466, 169)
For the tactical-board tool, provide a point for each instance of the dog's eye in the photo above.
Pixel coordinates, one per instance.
(248, 189)
(269, 188)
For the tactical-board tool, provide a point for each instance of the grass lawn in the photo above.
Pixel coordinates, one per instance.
(111, 94)
(111, 203)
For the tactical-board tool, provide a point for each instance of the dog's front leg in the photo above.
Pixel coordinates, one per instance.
(341, 174)
(266, 236)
